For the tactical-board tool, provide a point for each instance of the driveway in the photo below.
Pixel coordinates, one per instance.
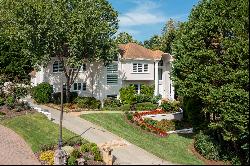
(14, 150)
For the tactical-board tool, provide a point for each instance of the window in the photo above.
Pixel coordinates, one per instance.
(84, 67)
(112, 96)
(84, 87)
(112, 76)
(140, 68)
(77, 86)
(57, 66)
(160, 74)
(64, 87)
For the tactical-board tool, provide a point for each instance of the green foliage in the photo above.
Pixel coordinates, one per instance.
(88, 102)
(124, 38)
(145, 106)
(113, 103)
(154, 43)
(97, 154)
(20, 92)
(211, 69)
(166, 106)
(125, 107)
(56, 97)
(140, 98)
(207, 146)
(155, 99)
(129, 115)
(76, 153)
(72, 160)
(75, 141)
(42, 93)
(128, 94)
(147, 90)
(2, 101)
(41, 31)
(10, 102)
(47, 147)
(85, 147)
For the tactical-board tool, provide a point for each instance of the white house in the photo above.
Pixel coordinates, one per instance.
(135, 65)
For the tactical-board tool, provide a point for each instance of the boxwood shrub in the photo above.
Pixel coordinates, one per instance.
(42, 93)
(56, 97)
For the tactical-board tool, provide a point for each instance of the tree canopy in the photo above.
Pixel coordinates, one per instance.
(124, 38)
(71, 30)
(211, 70)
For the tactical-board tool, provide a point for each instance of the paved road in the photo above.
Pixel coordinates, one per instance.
(128, 154)
(14, 150)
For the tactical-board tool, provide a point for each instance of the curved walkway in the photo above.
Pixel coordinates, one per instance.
(14, 150)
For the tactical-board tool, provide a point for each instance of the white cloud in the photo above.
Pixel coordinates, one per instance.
(145, 13)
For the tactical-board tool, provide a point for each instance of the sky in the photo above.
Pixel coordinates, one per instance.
(144, 18)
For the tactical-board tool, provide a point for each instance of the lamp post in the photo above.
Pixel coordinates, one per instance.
(60, 155)
(61, 118)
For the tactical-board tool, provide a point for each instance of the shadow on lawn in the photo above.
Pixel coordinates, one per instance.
(187, 135)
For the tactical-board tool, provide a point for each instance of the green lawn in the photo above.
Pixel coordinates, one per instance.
(172, 148)
(36, 130)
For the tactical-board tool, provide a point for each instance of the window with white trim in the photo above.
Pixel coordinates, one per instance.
(112, 74)
(137, 87)
(140, 68)
(77, 86)
(84, 86)
(57, 66)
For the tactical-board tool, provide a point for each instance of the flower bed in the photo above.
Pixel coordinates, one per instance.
(76, 151)
(157, 127)
(137, 118)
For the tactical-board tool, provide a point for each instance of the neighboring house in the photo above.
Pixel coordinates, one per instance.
(135, 65)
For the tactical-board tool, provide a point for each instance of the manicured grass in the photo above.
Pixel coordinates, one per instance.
(173, 148)
(36, 130)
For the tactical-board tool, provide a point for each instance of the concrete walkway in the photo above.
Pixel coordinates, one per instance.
(14, 150)
(128, 154)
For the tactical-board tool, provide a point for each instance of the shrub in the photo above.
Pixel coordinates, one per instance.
(1, 101)
(10, 102)
(42, 93)
(165, 105)
(47, 156)
(56, 97)
(68, 149)
(147, 90)
(112, 103)
(166, 125)
(206, 146)
(129, 116)
(72, 160)
(145, 106)
(88, 102)
(76, 153)
(20, 92)
(155, 99)
(140, 98)
(85, 148)
(97, 155)
(127, 94)
(125, 107)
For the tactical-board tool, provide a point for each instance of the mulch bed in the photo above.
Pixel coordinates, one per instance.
(7, 113)
(206, 161)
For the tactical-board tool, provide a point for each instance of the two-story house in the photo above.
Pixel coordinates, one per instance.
(135, 65)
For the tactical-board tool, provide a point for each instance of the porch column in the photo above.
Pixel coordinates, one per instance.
(156, 79)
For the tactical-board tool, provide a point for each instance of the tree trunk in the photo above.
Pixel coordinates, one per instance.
(68, 90)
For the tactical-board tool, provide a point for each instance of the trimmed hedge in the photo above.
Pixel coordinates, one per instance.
(42, 93)
(145, 106)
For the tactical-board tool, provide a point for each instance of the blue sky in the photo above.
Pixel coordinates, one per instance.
(144, 18)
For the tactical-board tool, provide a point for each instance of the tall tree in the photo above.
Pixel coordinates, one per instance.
(154, 43)
(70, 30)
(124, 38)
(168, 35)
(211, 70)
